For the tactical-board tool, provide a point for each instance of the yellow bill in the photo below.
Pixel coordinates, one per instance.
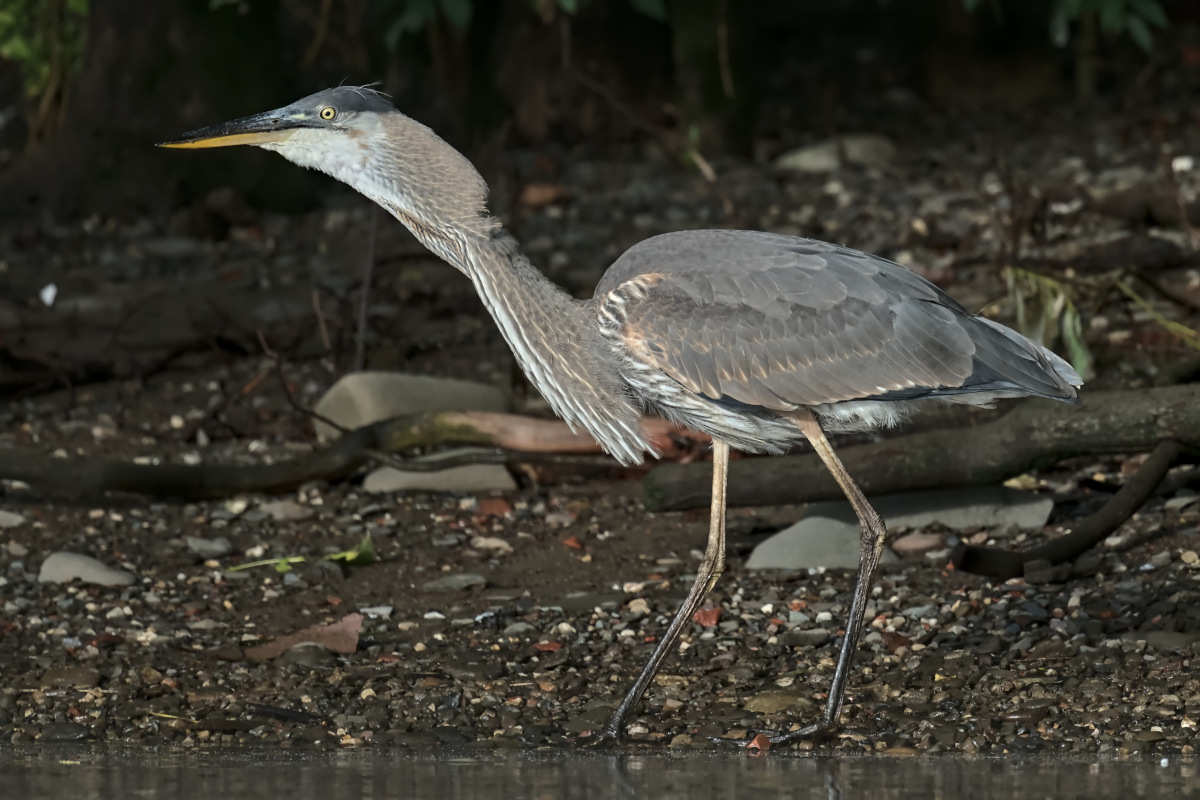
(269, 128)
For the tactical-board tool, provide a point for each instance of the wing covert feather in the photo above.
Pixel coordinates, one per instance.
(778, 322)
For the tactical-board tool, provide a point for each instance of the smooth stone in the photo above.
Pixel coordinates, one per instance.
(308, 654)
(362, 398)
(285, 510)
(975, 507)
(465, 478)
(773, 701)
(809, 638)
(70, 677)
(861, 149)
(209, 548)
(815, 541)
(828, 534)
(455, 583)
(63, 567)
(64, 732)
(915, 543)
(9, 519)
(1164, 641)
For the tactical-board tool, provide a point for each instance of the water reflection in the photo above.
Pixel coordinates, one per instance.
(378, 774)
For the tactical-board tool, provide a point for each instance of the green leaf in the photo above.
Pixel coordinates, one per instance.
(971, 5)
(1060, 27)
(286, 561)
(569, 6)
(1139, 31)
(360, 556)
(458, 12)
(413, 19)
(1112, 16)
(1077, 350)
(1071, 9)
(365, 552)
(657, 9)
(1151, 11)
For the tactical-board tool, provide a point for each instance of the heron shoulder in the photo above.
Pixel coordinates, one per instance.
(747, 267)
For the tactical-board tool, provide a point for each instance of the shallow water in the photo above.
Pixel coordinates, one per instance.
(374, 775)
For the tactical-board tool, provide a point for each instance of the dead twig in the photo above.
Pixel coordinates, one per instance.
(1165, 293)
(331, 463)
(320, 31)
(326, 342)
(673, 141)
(360, 343)
(723, 61)
(1004, 564)
(247, 389)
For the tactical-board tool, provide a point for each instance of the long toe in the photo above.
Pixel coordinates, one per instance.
(818, 730)
(602, 739)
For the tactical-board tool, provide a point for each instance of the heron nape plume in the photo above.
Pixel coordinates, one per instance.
(760, 340)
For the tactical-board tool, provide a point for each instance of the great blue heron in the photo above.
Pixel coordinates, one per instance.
(757, 339)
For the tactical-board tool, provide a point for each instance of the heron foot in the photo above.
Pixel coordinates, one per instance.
(607, 737)
(762, 739)
(816, 731)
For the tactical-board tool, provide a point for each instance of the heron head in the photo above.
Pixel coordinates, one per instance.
(355, 135)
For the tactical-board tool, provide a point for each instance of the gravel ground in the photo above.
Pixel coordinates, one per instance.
(575, 580)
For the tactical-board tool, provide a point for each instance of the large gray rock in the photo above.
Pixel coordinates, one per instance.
(362, 398)
(65, 567)
(10, 519)
(285, 510)
(860, 149)
(828, 534)
(976, 507)
(455, 583)
(467, 478)
(826, 540)
(209, 548)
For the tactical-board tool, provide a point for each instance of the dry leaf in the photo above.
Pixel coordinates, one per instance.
(760, 743)
(340, 637)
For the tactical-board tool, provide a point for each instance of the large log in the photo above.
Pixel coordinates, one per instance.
(1037, 433)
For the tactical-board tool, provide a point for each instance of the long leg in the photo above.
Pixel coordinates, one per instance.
(871, 536)
(711, 567)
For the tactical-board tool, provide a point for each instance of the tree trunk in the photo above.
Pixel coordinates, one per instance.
(1036, 434)
(154, 69)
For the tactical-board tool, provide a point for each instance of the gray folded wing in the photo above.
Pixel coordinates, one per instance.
(776, 321)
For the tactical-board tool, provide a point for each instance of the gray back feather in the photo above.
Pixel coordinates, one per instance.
(778, 321)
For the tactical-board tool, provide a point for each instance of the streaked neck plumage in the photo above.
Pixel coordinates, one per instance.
(438, 195)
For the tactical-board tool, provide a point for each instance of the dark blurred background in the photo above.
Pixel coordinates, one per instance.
(87, 85)
(1035, 157)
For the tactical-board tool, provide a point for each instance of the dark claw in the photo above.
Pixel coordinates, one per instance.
(609, 737)
(816, 731)
(742, 744)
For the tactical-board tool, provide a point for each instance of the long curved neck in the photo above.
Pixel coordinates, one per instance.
(556, 341)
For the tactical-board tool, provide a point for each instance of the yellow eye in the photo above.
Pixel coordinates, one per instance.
(328, 113)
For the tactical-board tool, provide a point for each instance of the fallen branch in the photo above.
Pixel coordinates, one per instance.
(1035, 434)
(1004, 564)
(521, 436)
